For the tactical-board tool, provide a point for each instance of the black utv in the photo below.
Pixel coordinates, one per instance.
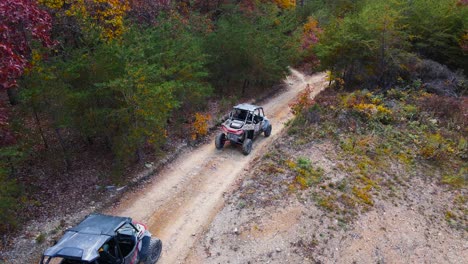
(104, 239)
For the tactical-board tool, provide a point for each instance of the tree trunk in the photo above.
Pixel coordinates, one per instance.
(41, 132)
(383, 64)
(13, 95)
(244, 87)
(108, 142)
(62, 145)
(139, 154)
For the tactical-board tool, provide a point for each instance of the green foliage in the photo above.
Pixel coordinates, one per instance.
(436, 29)
(373, 44)
(122, 91)
(306, 174)
(251, 50)
(457, 179)
(41, 238)
(9, 196)
(367, 45)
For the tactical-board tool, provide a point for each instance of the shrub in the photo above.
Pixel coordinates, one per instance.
(436, 147)
(9, 194)
(456, 180)
(41, 238)
(367, 106)
(306, 175)
(363, 194)
(303, 102)
(446, 108)
(200, 125)
(439, 79)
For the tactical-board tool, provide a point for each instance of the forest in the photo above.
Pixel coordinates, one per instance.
(119, 80)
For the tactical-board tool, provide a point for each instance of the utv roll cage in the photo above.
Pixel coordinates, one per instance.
(97, 239)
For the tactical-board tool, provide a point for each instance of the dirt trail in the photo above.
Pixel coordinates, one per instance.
(183, 198)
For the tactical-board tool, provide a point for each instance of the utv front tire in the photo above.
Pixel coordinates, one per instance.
(247, 146)
(267, 132)
(219, 140)
(155, 250)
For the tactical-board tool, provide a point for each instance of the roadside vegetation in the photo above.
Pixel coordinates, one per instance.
(384, 140)
(92, 88)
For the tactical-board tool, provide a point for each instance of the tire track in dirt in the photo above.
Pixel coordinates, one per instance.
(184, 197)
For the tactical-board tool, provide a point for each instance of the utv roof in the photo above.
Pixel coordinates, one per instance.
(248, 107)
(83, 241)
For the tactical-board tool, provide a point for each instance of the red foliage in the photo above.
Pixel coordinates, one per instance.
(446, 108)
(21, 21)
(309, 40)
(6, 136)
(146, 11)
(302, 102)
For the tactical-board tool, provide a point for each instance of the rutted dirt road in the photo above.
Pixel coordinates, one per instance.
(183, 198)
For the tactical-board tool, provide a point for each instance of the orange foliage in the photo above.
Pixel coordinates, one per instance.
(285, 4)
(303, 102)
(200, 125)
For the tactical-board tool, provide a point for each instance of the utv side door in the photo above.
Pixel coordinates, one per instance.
(128, 243)
(258, 120)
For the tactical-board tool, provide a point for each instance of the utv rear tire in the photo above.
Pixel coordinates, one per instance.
(155, 250)
(267, 132)
(219, 140)
(247, 146)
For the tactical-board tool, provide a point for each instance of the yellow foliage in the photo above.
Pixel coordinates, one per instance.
(36, 57)
(291, 164)
(383, 110)
(363, 195)
(328, 203)
(436, 147)
(111, 13)
(330, 76)
(53, 4)
(369, 105)
(302, 182)
(200, 125)
(449, 215)
(456, 180)
(285, 4)
(368, 109)
(108, 14)
(311, 25)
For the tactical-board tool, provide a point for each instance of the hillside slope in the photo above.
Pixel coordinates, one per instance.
(338, 188)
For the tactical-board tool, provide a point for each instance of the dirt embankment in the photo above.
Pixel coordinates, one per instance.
(274, 216)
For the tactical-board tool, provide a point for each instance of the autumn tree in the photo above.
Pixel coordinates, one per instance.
(107, 16)
(21, 23)
(310, 38)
